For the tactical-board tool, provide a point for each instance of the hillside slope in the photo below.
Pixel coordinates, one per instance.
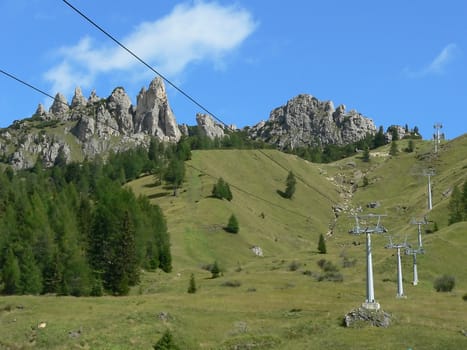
(277, 301)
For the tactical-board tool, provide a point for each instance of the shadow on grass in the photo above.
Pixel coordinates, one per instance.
(159, 195)
(152, 184)
(282, 194)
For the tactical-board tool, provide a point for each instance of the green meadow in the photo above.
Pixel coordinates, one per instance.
(277, 300)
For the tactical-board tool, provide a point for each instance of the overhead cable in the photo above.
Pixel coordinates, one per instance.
(106, 33)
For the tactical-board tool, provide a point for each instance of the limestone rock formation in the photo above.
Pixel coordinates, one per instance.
(153, 113)
(306, 121)
(60, 107)
(78, 99)
(120, 108)
(208, 127)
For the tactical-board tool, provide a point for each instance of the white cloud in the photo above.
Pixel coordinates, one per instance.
(437, 65)
(190, 33)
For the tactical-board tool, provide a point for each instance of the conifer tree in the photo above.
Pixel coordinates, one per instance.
(321, 244)
(11, 274)
(290, 185)
(393, 151)
(215, 270)
(175, 173)
(232, 225)
(192, 285)
(456, 207)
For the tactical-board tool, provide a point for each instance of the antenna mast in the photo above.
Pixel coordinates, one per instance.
(370, 302)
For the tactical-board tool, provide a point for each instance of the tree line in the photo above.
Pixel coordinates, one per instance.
(73, 229)
(239, 139)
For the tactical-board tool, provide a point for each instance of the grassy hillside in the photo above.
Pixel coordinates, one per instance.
(275, 301)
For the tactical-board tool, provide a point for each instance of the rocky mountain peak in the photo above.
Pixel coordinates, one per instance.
(306, 121)
(78, 98)
(60, 106)
(153, 113)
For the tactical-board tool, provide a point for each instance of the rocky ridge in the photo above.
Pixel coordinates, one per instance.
(85, 128)
(307, 121)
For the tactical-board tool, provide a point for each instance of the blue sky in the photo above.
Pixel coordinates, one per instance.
(396, 62)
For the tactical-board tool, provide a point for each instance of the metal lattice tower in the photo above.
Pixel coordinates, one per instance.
(398, 246)
(437, 136)
(370, 302)
(429, 173)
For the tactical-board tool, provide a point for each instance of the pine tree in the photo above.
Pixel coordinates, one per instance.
(232, 225)
(192, 286)
(221, 190)
(456, 210)
(290, 185)
(11, 274)
(393, 151)
(215, 270)
(31, 277)
(379, 139)
(321, 244)
(175, 173)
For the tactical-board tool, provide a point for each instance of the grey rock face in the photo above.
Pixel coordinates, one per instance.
(60, 107)
(153, 113)
(208, 127)
(78, 99)
(120, 108)
(306, 121)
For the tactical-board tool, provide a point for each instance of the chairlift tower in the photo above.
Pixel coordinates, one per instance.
(437, 136)
(398, 246)
(370, 302)
(414, 252)
(429, 173)
(419, 223)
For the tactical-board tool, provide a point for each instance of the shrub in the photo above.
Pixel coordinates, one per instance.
(294, 266)
(444, 283)
(464, 297)
(166, 342)
(231, 284)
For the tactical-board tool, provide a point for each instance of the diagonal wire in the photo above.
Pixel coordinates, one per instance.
(106, 33)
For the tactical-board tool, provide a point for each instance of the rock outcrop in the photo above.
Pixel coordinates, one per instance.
(153, 113)
(306, 121)
(91, 126)
(208, 127)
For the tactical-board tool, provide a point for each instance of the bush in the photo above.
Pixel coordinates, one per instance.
(444, 283)
(464, 297)
(231, 284)
(294, 266)
(166, 342)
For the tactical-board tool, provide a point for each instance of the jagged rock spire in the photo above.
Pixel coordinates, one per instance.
(153, 113)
